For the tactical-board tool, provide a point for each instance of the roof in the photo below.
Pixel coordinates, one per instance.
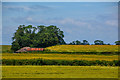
(24, 49)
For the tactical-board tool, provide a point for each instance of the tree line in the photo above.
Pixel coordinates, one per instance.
(44, 36)
(96, 42)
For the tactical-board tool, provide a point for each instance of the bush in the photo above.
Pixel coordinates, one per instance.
(60, 62)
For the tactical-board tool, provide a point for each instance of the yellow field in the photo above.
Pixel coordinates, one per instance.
(59, 56)
(76, 48)
(59, 72)
(84, 48)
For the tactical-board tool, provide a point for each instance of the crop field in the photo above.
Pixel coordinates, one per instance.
(59, 56)
(84, 48)
(55, 71)
(76, 48)
(5, 47)
(59, 72)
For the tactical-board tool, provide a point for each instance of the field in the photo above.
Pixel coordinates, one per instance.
(84, 48)
(76, 48)
(55, 71)
(59, 72)
(59, 56)
(5, 47)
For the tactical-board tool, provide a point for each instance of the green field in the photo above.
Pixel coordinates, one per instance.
(5, 47)
(59, 72)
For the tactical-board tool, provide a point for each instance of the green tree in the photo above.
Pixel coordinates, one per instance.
(117, 42)
(85, 42)
(15, 46)
(98, 42)
(75, 42)
(42, 36)
(78, 42)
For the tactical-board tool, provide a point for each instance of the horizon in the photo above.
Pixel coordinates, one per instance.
(79, 21)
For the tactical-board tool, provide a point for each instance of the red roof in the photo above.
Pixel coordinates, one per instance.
(35, 49)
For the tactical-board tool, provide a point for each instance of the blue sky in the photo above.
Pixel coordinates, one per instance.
(79, 20)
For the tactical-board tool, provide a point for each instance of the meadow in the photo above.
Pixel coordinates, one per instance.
(75, 48)
(62, 71)
(5, 48)
(59, 72)
(84, 48)
(57, 56)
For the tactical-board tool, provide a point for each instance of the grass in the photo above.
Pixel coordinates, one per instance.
(5, 47)
(59, 56)
(84, 48)
(59, 72)
(76, 48)
(62, 71)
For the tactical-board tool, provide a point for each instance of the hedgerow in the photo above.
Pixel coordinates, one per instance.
(60, 62)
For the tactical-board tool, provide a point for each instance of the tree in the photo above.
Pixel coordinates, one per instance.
(78, 42)
(15, 46)
(42, 36)
(75, 42)
(98, 42)
(117, 42)
(85, 42)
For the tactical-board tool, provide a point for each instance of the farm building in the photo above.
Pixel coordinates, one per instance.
(26, 49)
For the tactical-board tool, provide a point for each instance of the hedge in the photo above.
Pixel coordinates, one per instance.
(60, 62)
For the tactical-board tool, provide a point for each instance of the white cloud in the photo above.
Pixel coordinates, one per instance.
(60, 21)
(112, 23)
(72, 21)
(29, 19)
(17, 7)
(27, 8)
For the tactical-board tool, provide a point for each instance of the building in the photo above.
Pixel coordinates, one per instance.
(27, 49)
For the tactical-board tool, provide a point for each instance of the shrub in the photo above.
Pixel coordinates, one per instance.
(60, 62)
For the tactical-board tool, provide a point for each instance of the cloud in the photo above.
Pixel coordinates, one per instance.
(29, 19)
(112, 23)
(26, 8)
(58, 21)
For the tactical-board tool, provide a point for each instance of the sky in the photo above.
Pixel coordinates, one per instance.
(78, 20)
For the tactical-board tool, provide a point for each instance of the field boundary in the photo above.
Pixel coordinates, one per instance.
(60, 62)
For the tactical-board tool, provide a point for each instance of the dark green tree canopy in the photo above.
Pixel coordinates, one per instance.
(40, 36)
(117, 42)
(98, 42)
(77, 42)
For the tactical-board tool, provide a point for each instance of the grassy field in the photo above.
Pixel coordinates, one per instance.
(84, 48)
(59, 56)
(5, 47)
(76, 48)
(59, 72)
(62, 71)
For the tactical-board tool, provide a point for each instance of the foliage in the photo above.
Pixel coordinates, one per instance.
(42, 36)
(117, 42)
(98, 42)
(59, 62)
(77, 42)
(85, 42)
